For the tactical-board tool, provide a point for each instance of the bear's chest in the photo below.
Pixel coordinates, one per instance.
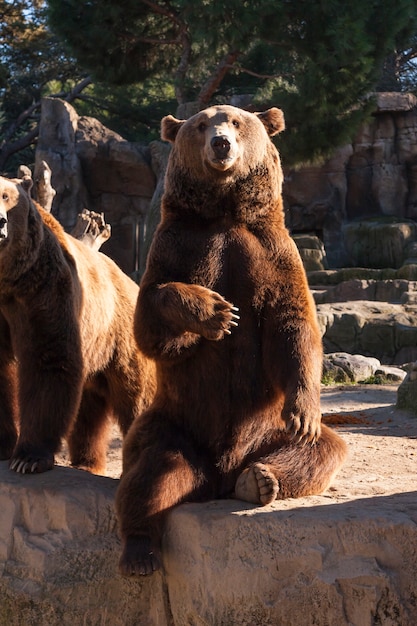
(229, 260)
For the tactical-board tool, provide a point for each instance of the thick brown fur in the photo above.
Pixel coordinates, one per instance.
(68, 357)
(237, 407)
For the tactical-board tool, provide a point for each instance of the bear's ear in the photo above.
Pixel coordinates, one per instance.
(273, 120)
(170, 127)
(27, 183)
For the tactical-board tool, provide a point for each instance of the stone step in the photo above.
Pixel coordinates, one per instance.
(395, 290)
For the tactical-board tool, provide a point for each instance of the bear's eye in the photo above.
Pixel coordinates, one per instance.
(5, 196)
(202, 127)
(235, 123)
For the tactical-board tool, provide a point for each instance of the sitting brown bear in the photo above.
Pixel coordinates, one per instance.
(68, 356)
(237, 407)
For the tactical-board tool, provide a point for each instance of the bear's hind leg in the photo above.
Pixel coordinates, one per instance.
(293, 470)
(160, 470)
(8, 410)
(89, 435)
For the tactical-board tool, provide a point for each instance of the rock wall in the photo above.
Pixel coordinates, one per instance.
(373, 177)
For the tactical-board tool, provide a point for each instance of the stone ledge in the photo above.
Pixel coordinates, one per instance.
(348, 557)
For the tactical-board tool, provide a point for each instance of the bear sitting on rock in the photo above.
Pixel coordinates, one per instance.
(68, 357)
(225, 311)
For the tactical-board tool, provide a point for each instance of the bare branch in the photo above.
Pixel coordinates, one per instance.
(245, 70)
(75, 92)
(25, 115)
(15, 146)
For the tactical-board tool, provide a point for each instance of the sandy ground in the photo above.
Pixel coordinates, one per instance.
(382, 442)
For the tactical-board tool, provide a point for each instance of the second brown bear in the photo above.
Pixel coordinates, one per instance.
(68, 358)
(226, 313)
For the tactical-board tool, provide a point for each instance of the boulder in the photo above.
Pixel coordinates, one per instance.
(407, 391)
(378, 244)
(341, 367)
(312, 252)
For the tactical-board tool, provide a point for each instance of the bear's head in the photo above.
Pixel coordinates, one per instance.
(223, 155)
(14, 202)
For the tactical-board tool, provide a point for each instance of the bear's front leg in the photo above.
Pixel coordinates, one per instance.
(50, 385)
(302, 413)
(171, 317)
(293, 358)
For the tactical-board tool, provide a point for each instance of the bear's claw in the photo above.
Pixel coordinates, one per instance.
(31, 465)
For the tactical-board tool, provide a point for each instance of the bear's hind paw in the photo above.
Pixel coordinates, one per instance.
(257, 484)
(139, 558)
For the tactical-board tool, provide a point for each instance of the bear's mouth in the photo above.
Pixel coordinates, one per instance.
(222, 164)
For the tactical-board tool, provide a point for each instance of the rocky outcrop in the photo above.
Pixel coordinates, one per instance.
(339, 201)
(96, 169)
(382, 330)
(373, 176)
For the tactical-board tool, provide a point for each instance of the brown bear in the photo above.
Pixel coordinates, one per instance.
(237, 406)
(68, 356)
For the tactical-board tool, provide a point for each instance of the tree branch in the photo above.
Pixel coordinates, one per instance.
(212, 84)
(245, 70)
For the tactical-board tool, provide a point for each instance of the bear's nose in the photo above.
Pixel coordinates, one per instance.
(3, 227)
(221, 146)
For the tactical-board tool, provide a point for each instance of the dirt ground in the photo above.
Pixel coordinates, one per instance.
(382, 441)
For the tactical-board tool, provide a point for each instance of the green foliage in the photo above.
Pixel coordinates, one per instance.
(123, 42)
(318, 61)
(30, 57)
(134, 111)
(337, 53)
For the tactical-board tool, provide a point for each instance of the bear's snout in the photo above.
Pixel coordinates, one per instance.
(220, 146)
(3, 226)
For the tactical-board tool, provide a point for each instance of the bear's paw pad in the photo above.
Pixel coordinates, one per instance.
(257, 484)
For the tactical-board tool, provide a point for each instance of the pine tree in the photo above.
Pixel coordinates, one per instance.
(318, 61)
